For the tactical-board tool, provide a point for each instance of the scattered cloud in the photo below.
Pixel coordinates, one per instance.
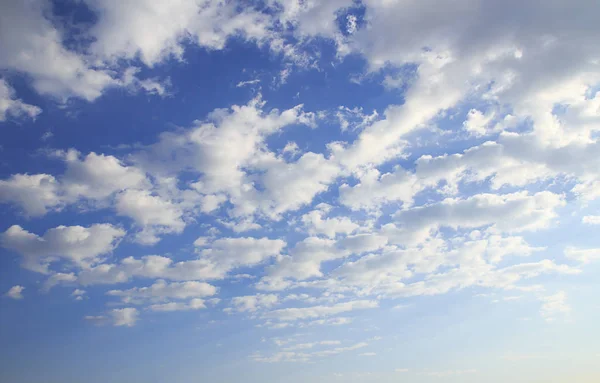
(15, 292)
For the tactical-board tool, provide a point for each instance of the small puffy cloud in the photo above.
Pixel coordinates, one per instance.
(78, 294)
(316, 223)
(448, 373)
(93, 179)
(34, 194)
(252, 303)
(12, 106)
(230, 253)
(215, 262)
(31, 44)
(124, 317)
(376, 189)
(162, 290)
(15, 292)
(78, 244)
(97, 176)
(150, 212)
(477, 123)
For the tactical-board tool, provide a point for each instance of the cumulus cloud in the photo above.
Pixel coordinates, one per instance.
(12, 106)
(252, 303)
(124, 317)
(35, 194)
(80, 245)
(514, 212)
(15, 292)
(162, 290)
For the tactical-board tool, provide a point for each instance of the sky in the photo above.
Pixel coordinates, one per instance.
(299, 190)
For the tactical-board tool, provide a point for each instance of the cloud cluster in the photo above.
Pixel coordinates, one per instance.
(496, 134)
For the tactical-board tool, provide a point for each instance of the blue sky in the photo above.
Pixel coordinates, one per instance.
(356, 191)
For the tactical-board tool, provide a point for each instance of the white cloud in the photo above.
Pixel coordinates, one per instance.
(78, 244)
(78, 294)
(223, 256)
(478, 123)
(30, 44)
(591, 219)
(252, 303)
(93, 179)
(248, 82)
(514, 212)
(582, 255)
(15, 292)
(316, 223)
(375, 189)
(124, 317)
(193, 304)
(152, 213)
(296, 313)
(35, 194)
(12, 106)
(121, 32)
(554, 304)
(97, 176)
(161, 290)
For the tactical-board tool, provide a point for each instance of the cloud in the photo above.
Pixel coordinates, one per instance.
(78, 294)
(582, 255)
(12, 106)
(514, 212)
(30, 44)
(295, 313)
(249, 82)
(193, 304)
(375, 189)
(554, 304)
(35, 194)
(591, 219)
(223, 256)
(162, 290)
(80, 245)
(253, 303)
(316, 223)
(15, 292)
(150, 212)
(124, 317)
